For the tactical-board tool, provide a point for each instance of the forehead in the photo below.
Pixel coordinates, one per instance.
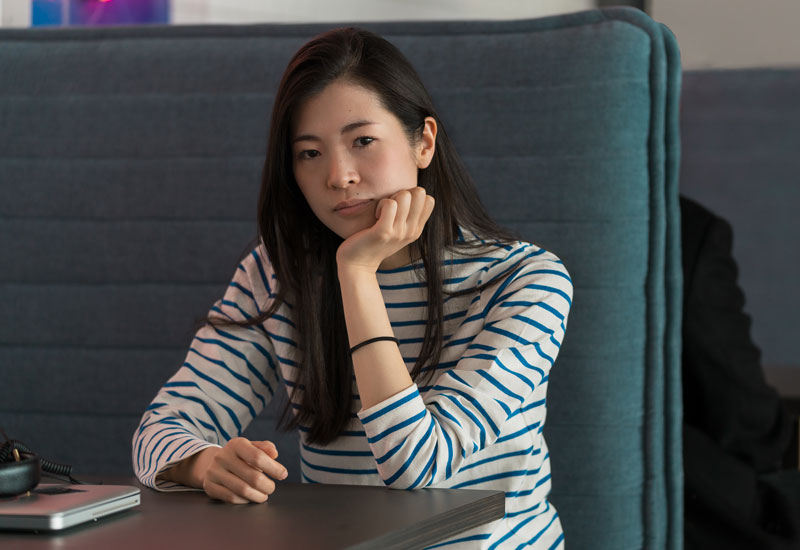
(337, 105)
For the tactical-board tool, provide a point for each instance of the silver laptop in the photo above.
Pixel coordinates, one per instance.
(50, 507)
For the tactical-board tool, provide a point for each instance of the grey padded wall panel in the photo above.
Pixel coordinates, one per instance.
(742, 134)
(131, 159)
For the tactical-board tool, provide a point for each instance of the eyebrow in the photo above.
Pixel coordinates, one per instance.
(346, 128)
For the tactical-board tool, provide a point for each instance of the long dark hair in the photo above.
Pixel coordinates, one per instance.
(302, 250)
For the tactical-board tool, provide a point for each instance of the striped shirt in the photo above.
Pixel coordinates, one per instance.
(476, 425)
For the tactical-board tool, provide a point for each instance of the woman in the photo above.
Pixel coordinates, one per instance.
(414, 337)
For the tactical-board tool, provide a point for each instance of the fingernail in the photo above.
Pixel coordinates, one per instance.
(284, 474)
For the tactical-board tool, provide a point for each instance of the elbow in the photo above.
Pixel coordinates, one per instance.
(417, 472)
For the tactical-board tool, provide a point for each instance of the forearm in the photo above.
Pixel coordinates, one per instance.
(379, 368)
(190, 471)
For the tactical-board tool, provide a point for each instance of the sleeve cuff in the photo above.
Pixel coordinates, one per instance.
(165, 485)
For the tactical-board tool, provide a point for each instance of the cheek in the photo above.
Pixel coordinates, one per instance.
(399, 169)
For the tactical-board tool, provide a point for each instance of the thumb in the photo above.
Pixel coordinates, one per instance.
(268, 447)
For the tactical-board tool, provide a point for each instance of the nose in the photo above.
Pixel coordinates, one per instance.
(341, 170)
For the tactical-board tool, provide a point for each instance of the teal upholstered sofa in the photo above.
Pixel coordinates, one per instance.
(130, 161)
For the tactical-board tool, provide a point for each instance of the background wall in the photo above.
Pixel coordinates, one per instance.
(725, 34)
(17, 13)
(240, 11)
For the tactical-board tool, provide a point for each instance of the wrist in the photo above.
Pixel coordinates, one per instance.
(351, 271)
(191, 471)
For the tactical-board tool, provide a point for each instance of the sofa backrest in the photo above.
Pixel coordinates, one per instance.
(130, 168)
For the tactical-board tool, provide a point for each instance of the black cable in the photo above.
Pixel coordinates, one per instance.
(49, 468)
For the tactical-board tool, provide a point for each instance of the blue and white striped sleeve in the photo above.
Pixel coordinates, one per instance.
(419, 442)
(229, 375)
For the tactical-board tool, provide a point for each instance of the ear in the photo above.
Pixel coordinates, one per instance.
(427, 143)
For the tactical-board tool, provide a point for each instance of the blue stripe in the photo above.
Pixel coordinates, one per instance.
(261, 272)
(518, 433)
(425, 470)
(220, 430)
(225, 389)
(230, 412)
(507, 334)
(493, 381)
(514, 494)
(538, 535)
(446, 414)
(448, 471)
(243, 290)
(529, 321)
(470, 416)
(541, 353)
(236, 353)
(509, 278)
(283, 339)
(500, 475)
(518, 354)
(283, 319)
(261, 349)
(519, 526)
(407, 323)
(178, 448)
(412, 456)
(523, 452)
(390, 407)
(307, 479)
(396, 427)
(472, 399)
(395, 305)
(543, 305)
(527, 408)
(168, 435)
(332, 452)
(402, 287)
(391, 453)
(338, 470)
(551, 289)
(557, 542)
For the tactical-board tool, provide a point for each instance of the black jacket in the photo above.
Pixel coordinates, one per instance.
(736, 431)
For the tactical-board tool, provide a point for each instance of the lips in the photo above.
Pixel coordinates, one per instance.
(350, 203)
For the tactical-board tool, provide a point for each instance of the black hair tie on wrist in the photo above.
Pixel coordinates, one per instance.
(371, 340)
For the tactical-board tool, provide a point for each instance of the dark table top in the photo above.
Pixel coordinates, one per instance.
(296, 516)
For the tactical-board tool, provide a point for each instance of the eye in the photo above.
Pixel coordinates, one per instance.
(307, 154)
(363, 141)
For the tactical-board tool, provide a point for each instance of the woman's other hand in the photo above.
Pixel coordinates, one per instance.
(401, 219)
(242, 471)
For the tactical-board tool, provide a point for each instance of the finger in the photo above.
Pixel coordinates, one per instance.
(217, 491)
(252, 456)
(403, 199)
(268, 447)
(388, 212)
(235, 485)
(253, 477)
(415, 211)
(427, 210)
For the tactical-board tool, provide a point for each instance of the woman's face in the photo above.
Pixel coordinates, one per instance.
(348, 150)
